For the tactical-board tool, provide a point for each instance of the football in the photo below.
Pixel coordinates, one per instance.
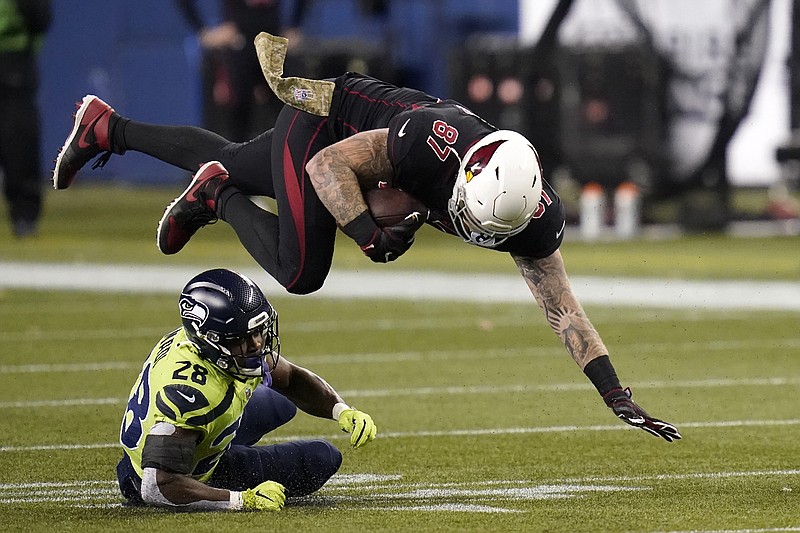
(391, 206)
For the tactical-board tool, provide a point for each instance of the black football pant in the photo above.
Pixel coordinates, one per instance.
(296, 246)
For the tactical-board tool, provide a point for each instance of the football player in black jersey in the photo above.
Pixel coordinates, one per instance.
(481, 184)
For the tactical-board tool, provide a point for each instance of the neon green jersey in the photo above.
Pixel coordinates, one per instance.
(177, 386)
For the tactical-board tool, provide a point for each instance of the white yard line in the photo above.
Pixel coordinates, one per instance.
(391, 493)
(682, 294)
(466, 389)
(759, 530)
(449, 433)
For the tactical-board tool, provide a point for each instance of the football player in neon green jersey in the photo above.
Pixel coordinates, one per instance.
(207, 394)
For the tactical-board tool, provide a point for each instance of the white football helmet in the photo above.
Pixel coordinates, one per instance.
(497, 190)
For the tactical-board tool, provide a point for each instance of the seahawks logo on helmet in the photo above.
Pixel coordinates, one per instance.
(192, 310)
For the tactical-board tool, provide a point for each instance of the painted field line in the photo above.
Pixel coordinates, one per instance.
(573, 428)
(448, 433)
(347, 482)
(57, 484)
(488, 323)
(418, 285)
(332, 485)
(478, 389)
(749, 530)
(642, 348)
(349, 492)
(392, 494)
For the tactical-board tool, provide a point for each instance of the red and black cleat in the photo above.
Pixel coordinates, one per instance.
(193, 209)
(89, 137)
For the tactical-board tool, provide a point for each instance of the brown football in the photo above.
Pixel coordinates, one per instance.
(391, 206)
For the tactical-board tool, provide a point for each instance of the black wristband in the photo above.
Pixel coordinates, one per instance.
(361, 229)
(601, 373)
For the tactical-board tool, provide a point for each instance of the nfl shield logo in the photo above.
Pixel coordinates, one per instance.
(302, 95)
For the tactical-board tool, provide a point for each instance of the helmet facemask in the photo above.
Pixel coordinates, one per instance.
(470, 228)
(497, 189)
(233, 351)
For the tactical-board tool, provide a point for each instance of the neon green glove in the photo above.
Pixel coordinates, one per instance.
(268, 496)
(360, 426)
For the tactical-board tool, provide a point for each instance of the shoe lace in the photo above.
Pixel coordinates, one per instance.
(200, 214)
(102, 160)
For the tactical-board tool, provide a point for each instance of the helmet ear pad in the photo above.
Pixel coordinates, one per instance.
(220, 307)
(497, 189)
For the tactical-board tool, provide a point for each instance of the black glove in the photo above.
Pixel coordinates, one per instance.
(383, 244)
(620, 402)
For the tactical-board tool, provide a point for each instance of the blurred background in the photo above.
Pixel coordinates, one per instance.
(691, 105)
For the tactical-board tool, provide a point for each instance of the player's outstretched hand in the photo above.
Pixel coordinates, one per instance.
(360, 426)
(624, 407)
(268, 496)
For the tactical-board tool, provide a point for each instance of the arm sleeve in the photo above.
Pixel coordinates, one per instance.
(151, 494)
(169, 453)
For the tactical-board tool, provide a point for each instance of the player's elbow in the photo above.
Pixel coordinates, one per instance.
(313, 165)
(150, 490)
(151, 498)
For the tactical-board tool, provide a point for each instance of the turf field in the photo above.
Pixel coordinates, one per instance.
(485, 423)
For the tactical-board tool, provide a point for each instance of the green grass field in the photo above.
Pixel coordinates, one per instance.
(485, 423)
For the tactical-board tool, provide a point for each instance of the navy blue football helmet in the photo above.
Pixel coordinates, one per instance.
(234, 326)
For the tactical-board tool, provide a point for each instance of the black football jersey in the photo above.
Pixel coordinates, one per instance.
(361, 103)
(427, 138)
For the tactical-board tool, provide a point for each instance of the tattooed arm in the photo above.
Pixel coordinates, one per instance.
(547, 280)
(339, 172)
